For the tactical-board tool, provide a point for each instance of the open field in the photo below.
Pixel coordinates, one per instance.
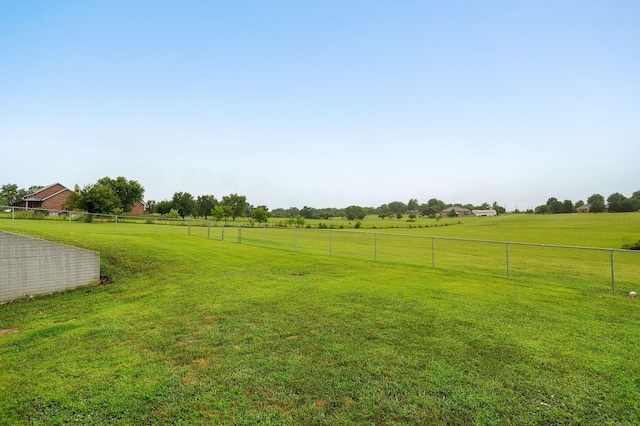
(196, 330)
(436, 243)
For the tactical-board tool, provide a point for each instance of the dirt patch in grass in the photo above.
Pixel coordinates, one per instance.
(8, 330)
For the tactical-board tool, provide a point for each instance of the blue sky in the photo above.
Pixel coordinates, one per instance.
(325, 103)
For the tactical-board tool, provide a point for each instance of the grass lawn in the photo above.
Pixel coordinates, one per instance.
(200, 331)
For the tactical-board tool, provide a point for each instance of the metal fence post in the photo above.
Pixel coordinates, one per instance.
(222, 232)
(433, 253)
(189, 226)
(69, 216)
(13, 215)
(613, 285)
(116, 224)
(375, 246)
(507, 250)
(239, 234)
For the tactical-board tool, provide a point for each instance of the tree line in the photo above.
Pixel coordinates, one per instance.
(116, 196)
(615, 203)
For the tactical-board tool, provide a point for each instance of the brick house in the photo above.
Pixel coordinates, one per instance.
(50, 197)
(138, 208)
(460, 211)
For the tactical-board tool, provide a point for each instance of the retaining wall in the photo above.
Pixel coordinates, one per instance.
(30, 266)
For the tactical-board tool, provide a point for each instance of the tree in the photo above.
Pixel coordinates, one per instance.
(293, 212)
(567, 206)
(413, 205)
(184, 203)
(10, 193)
(498, 208)
(635, 200)
(260, 215)
(173, 214)
(596, 203)
(279, 212)
(205, 204)
(354, 212)
(164, 207)
(619, 203)
(237, 203)
(429, 211)
(439, 205)
(397, 207)
(150, 207)
(554, 205)
(220, 212)
(308, 212)
(299, 221)
(93, 199)
(543, 209)
(127, 191)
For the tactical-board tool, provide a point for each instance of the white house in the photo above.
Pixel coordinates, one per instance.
(490, 212)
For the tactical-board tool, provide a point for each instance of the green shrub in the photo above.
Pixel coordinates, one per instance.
(632, 246)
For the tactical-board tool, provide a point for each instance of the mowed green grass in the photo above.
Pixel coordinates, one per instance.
(200, 331)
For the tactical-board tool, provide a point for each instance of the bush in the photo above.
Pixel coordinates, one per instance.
(358, 224)
(173, 213)
(632, 246)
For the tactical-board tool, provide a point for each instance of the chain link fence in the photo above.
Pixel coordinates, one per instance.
(589, 267)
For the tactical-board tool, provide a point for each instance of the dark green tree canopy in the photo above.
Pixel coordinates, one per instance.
(184, 203)
(93, 199)
(260, 215)
(596, 203)
(397, 207)
(237, 203)
(205, 204)
(355, 212)
(127, 191)
(10, 193)
(619, 203)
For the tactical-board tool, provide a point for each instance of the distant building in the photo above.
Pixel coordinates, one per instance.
(50, 198)
(460, 211)
(490, 212)
(583, 208)
(138, 208)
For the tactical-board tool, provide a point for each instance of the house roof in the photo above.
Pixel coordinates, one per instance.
(457, 209)
(33, 196)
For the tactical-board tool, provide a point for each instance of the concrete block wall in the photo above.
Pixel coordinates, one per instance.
(30, 266)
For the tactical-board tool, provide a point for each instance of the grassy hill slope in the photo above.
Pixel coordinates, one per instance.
(201, 331)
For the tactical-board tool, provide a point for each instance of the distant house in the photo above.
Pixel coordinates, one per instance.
(459, 211)
(138, 208)
(583, 208)
(50, 197)
(490, 212)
